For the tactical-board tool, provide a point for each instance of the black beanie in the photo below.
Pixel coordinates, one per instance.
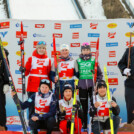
(85, 45)
(46, 82)
(67, 86)
(101, 83)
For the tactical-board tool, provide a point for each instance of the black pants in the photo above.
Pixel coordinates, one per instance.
(98, 126)
(2, 106)
(43, 124)
(84, 94)
(129, 98)
(31, 108)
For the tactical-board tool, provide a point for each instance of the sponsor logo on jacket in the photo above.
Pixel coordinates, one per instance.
(112, 63)
(57, 25)
(18, 34)
(40, 61)
(93, 26)
(75, 35)
(75, 45)
(64, 65)
(75, 26)
(4, 25)
(42, 102)
(39, 25)
(112, 25)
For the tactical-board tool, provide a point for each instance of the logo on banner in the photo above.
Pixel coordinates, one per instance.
(93, 53)
(75, 26)
(17, 72)
(111, 35)
(75, 45)
(113, 81)
(93, 35)
(3, 33)
(93, 26)
(13, 120)
(128, 34)
(112, 90)
(112, 44)
(19, 25)
(4, 25)
(75, 35)
(112, 63)
(57, 52)
(112, 25)
(93, 44)
(128, 43)
(19, 80)
(4, 43)
(18, 62)
(38, 35)
(112, 53)
(131, 25)
(35, 44)
(18, 90)
(57, 25)
(73, 54)
(57, 35)
(39, 25)
(57, 45)
(19, 53)
(111, 73)
(18, 34)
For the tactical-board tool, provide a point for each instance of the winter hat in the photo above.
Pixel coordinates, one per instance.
(46, 82)
(64, 46)
(41, 44)
(101, 83)
(85, 45)
(67, 86)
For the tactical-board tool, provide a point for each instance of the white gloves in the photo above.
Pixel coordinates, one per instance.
(6, 88)
(127, 71)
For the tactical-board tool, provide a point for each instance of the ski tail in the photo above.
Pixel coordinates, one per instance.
(109, 98)
(15, 98)
(73, 110)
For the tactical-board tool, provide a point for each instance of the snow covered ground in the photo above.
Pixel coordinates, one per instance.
(3, 14)
(43, 9)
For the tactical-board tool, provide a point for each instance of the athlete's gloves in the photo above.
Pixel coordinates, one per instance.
(6, 88)
(127, 71)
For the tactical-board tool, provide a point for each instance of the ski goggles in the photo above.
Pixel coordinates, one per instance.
(46, 81)
(41, 43)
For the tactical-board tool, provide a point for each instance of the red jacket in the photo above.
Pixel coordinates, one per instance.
(37, 67)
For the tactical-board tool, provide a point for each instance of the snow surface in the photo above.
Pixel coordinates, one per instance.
(43, 9)
(93, 9)
(2, 11)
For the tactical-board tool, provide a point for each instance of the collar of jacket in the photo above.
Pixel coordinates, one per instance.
(86, 56)
(102, 98)
(70, 102)
(44, 95)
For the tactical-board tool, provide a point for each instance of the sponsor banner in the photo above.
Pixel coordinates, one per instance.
(13, 120)
(4, 43)
(112, 44)
(93, 34)
(4, 25)
(112, 54)
(112, 25)
(75, 26)
(112, 90)
(35, 44)
(19, 80)
(93, 26)
(130, 24)
(52, 53)
(18, 90)
(112, 63)
(113, 81)
(3, 34)
(18, 62)
(75, 45)
(18, 53)
(57, 25)
(111, 35)
(18, 34)
(93, 44)
(39, 25)
(128, 34)
(57, 35)
(17, 72)
(75, 35)
(128, 43)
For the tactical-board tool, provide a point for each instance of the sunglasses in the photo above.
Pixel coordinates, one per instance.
(41, 42)
(45, 80)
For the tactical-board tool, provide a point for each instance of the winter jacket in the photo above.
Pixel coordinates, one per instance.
(67, 69)
(129, 82)
(103, 111)
(64, 110)
(37, 67)
(88, 83)
(51, 111)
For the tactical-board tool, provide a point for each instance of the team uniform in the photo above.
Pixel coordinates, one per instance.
(37, 67)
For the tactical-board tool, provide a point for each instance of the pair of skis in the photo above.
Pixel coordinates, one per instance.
(15, 98)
